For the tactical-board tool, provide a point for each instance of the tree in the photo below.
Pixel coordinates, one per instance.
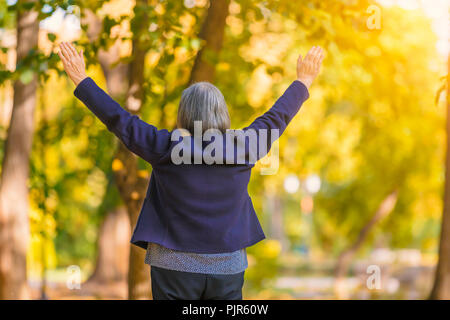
(372, 125)
(113, 249)
(345, 258)
(126, 80)
(212, 33)
(131, 184)
(441, 286)
(113, 246)
(14, 225)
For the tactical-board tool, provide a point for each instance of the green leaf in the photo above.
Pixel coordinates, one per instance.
(195, 43)
(28, 5)
(26, 76)
(12, 8)
(51, 37)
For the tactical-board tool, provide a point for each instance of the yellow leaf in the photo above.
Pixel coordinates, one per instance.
(143, 173)
(135, 195)
(117, 165)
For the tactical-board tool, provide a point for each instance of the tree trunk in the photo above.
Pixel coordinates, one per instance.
(212, 33)
(113, 248)
(117, 76)
(125, 79)
(131, 183)
(113, 240)
(14, 224)
(345, 258)
(441, 287)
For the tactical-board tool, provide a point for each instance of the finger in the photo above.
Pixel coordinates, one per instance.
(65, 62)
(322, 57)
(65, 51)
(309, 54)
(314, 55)
(300, 59)
(319, 64)
(314, 52)
(61, 50)
(319, 50)
(73, 50)
(68, 52)
(61, 56)
(63, 59)
(317, 55)
(81, 54)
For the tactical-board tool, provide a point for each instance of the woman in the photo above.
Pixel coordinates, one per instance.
(197, 217)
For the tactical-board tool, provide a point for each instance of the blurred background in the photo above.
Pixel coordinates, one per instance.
(356, 208)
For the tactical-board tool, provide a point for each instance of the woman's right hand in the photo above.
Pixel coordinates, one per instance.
(73, 62)
(308, 68)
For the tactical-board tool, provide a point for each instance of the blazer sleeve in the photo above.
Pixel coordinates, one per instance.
(138, 136)
(280, 114)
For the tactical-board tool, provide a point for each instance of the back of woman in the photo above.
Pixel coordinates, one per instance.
(197, 218)
(202, 208)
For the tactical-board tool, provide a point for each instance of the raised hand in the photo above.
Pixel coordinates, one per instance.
(308, 68)
(73, 62)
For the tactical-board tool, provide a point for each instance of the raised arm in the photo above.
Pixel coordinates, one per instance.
(138, 136)
(288, 105)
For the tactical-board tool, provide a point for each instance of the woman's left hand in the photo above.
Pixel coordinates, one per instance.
(73, 62)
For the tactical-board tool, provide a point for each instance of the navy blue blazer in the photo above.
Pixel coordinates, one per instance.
(201, 208)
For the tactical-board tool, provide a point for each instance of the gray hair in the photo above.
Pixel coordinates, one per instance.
(202, 101)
